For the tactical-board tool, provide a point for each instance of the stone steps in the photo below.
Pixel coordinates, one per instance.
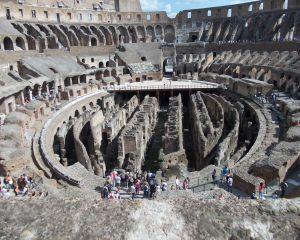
(87, 179)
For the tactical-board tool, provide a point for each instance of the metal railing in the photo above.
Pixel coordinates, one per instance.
(202, 184)
(160, 87)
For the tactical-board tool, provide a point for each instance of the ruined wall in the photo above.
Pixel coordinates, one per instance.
(133, 139)
(207, 121)
(227, 146)
(173, 139)
(174, 153)
(128, 6)
(81, 151)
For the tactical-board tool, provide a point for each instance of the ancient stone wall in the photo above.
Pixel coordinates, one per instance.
(227, 146)
(207, 120)
(133, 139)
(173, 139)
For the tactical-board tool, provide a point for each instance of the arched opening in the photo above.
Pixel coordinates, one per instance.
(107, 64)
(106, 73)
(101, 64)
(169, 34)
(150, 33)
(70, 150)
(93, 42)
(114, 72)
(77, 114)
(194, 38)
(8, 44)
(20, 43)
(99, 103)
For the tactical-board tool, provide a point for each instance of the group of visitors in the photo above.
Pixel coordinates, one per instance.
(178, 186)
(136, 183)
(226, 177)
(21, 186)
(261, 190)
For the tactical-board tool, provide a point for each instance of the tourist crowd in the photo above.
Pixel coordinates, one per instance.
(21, 186)
(137, 184)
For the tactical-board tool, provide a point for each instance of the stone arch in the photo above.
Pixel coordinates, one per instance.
(74, 41)
(35, 91)
(93, 41)
(133, 34)
(106, 73)
(169, 34)
(114, 72)
(159, 31)
(86, 30)
(107, 35)
(101, 37)
(99, 102)
(141, 33)
(114, 34)
(224, 31)
(99, 75)
(61, 37)
(8, 43)
(20, 43)
(76, 114)
(123, 33)
(150, 33)
(31, 43)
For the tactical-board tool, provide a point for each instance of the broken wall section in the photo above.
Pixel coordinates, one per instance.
(174, 153)
(207, 122)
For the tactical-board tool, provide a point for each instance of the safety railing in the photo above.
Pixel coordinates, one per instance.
(160, 87)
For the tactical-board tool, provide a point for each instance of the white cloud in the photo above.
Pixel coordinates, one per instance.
(149, 5)
(168, 8)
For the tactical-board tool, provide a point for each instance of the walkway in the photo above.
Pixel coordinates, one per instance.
(163, 85)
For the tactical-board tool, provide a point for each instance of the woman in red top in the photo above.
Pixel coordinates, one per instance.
(261, 190)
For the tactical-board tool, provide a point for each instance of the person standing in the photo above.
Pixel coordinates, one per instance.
(224, 173)
(146, 190)
(229, 184)
(177, 183)
(152, 186)
(261, 188)
(118, 181)
(214, 176)
(132, 189)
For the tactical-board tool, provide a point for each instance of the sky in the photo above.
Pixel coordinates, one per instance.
(172, 7)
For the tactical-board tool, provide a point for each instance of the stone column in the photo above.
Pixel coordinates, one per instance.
(30, 94)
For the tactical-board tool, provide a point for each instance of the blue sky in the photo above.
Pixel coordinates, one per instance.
(172, 7)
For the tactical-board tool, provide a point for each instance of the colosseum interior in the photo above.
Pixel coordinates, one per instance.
(88, 87)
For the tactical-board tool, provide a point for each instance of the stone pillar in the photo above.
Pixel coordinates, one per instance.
(20, 98)
(30, 94)
(39, 91)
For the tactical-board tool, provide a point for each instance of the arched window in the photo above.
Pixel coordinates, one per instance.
(20, 43)
(8, 44)
(93, 42)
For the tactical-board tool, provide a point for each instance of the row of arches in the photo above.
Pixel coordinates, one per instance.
(43, 36)
(9, 44)
(276, 26)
